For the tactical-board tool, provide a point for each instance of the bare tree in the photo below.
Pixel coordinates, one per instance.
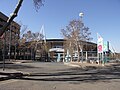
(37, 4)
(24, 28)
(34, 42)
(75, 33)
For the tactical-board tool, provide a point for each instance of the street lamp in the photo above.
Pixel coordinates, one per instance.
(81, 14)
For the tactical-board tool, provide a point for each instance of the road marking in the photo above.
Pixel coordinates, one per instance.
(7, 81)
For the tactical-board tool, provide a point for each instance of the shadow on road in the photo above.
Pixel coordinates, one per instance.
(87, 74)
(15, 66)
(6, 75)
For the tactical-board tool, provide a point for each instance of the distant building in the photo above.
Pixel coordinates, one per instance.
(12, 33)
(48, 50)
(51, 50)
(56, 49)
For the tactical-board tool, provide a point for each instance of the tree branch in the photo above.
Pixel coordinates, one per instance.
(12, 16)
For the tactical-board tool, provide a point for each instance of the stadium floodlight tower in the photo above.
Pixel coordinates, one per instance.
(81, 14)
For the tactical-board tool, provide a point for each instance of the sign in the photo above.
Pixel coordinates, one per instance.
(99, 44)
(106, 46)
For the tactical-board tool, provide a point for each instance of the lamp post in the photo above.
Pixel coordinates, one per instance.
(81, 14)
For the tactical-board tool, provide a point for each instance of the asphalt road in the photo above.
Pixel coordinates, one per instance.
(50, 76)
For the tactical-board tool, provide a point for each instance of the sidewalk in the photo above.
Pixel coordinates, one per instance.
(84, 64)
(15, 61)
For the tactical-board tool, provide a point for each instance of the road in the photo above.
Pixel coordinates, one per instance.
(50, 76)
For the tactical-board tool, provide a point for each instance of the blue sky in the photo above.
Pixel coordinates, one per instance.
(101, 16)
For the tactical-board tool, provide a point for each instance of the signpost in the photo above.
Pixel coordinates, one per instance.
(100, 44)
(106, 51)
(100, 48)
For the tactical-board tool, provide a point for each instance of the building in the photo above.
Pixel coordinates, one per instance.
(50, 50)
(57, 51)
(55, 48)
(11, 36)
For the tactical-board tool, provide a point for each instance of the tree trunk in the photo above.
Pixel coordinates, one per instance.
(12, 16)
(78, 55)
(4, 48)
(80, 49)
(15, 53)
